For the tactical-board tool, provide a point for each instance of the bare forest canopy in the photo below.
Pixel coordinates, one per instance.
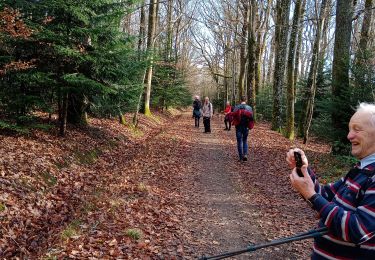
(303, 65)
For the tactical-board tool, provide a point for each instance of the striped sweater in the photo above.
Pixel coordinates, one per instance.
(349, 216)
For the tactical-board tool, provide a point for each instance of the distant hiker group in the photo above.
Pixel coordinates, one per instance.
(241, 116)
(206, 110)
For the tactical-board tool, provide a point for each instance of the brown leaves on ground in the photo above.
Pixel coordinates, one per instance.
(110, 191)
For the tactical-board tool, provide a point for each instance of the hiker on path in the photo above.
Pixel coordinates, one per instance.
(227, 119)
(207, 112)
(243, 121)
(346, 207)
(197, 113)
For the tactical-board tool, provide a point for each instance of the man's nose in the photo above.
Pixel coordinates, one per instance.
(350, 135)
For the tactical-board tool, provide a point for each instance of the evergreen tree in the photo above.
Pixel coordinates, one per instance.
(78, 56)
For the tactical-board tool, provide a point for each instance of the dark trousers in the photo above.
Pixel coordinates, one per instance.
(196, 121)
(207, 124)
(227, 122)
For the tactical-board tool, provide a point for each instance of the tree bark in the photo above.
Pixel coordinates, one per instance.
(251, 49)
(340, 72)
(150, 46)
(281, 36)
(308, 109)
(243, 57)
(365, 33)
(142, 34)
(63, 113)
(289, 133)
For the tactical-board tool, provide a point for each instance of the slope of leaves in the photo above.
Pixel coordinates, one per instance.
(48, 182)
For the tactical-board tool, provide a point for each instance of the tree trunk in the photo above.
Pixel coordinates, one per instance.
(261, 57)
(168, 50)
(270, 71)
(243, 57)
(142, 34)
(308, 107)
(251, 48)
(63, 113)
(77, 105)
(340, 72)
(281, 37)
(365, 34)
(289, 133)
(150, 45)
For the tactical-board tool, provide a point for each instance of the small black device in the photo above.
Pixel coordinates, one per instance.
(298, 158)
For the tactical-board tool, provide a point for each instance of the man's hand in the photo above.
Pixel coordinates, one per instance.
(290, 158)
(304, 185)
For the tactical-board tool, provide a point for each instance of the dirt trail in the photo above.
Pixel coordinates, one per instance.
(224, 209)
(233, 204)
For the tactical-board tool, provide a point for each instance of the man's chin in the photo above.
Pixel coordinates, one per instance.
(354, 153)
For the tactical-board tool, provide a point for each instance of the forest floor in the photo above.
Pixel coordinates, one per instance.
(164, 191)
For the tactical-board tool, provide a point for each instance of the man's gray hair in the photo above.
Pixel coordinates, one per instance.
(368, 108)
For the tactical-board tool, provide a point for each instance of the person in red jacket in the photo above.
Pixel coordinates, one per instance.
(243, 121)
(227, 120)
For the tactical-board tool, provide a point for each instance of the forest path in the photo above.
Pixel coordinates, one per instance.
(174, 193)
(233, 204)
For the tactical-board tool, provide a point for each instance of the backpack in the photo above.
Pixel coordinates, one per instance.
(246, 118)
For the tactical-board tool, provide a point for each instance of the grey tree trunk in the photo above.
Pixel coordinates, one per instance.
(289, 133)
(281, 37)
(308, 108)
(150, 46)
(252, 64)
(340, 72)
(243, 57)
(142, 34)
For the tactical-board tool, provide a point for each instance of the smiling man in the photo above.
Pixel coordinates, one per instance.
(346, 207)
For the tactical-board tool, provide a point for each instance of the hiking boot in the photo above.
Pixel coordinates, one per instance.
(244, 158)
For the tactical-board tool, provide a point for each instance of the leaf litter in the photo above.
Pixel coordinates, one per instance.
(167, 191)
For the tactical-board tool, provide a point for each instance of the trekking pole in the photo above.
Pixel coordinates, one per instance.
(309, 234)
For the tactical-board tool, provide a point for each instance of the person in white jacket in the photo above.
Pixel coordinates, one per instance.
(207, 112)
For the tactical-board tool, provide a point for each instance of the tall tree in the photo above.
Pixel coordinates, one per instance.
(152, 20)
(341, 110)
(281, 37)
(289, 133)
(80, 58)
(307, 113)
(243, 40)
(141, 40)
(251, 54)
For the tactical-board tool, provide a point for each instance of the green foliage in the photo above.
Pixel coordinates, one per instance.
(13, 127)
(2, 207)
(71, 230)
(321, 125)
(264, 103)
(77, 48)
(49, 179)
(87, 157)
(23, 124)
(217, 103)
(331, 167)
(135, 234)
(363, 87)
(169, 88)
